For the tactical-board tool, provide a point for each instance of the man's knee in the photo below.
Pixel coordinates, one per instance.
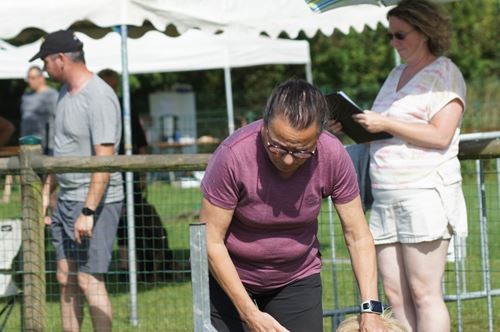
(83, 282)
(65, 275)
(88, 281)
(63, 278)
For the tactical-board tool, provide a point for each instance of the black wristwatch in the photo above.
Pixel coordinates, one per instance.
(87, 212)
(372, 306)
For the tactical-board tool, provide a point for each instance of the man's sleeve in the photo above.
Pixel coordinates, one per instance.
(105, 125)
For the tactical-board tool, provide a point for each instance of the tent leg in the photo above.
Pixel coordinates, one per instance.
(129, 179)
(229, 99)
(309, 74)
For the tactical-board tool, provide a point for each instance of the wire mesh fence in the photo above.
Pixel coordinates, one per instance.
(170, 202)
(164, 295)
(471, 283)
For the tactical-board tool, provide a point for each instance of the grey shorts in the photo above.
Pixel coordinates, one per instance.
(93, 255)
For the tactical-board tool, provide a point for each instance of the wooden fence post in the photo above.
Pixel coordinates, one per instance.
(33, 246)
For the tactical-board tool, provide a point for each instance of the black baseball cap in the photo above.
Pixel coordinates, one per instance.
(61, 41)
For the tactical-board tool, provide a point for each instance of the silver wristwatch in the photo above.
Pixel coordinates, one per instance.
(372, 306)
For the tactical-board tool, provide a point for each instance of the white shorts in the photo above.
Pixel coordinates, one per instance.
(418, 215)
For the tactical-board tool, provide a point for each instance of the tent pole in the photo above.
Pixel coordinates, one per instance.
(129, 178)
(229, 99)
(309, 74)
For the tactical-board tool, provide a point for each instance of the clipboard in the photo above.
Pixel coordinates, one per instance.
(342, 108)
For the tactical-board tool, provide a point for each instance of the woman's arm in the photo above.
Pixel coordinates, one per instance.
(361, 248)
(436, 135)
(222, 268)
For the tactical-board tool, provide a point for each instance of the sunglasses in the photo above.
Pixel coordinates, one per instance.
(281, 151)
(398, 35)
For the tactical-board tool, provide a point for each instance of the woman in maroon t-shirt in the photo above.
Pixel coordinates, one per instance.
(262, 191)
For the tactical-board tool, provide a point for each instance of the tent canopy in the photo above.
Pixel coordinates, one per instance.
(156, 52)
(231, 16)
(256, 16)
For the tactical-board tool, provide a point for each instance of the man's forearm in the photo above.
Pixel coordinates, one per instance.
(98, 184)
(46, 191)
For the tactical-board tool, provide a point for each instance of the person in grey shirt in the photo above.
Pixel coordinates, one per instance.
(38, 105)
(85, 219)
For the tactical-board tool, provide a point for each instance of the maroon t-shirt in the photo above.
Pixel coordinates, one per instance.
(272, 238)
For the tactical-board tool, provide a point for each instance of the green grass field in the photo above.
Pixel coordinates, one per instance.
(167, 306)
(474, 312)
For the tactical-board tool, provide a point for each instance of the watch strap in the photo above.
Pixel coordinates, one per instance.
(88, 212)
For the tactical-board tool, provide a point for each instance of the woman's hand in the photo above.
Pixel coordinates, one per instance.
(333, 126)
(371, 121)
(371, 323)
(263, 322)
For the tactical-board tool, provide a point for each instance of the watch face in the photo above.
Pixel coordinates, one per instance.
(377, 306)
(372, 306)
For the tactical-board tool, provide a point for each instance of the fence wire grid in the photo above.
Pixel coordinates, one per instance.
(170, 201)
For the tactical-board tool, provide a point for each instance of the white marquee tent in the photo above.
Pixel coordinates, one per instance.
(238, 16)
(156, 52)
(256, 16)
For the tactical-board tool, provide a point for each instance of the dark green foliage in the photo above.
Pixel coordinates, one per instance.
(355, 63)
(476, 38)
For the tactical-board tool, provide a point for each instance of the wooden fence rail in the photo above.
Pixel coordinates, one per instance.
(136, 163)
(473, 149)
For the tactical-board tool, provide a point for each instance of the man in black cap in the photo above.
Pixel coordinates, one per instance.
(85, 220)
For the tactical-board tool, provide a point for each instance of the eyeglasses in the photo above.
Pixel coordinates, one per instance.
(281, 151)
(398, 35)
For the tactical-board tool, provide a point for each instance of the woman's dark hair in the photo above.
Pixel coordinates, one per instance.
(299, 102)
(429, 19)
